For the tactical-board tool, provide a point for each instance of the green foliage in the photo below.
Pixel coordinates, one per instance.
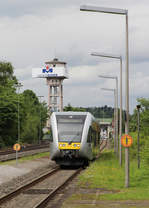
(34, 117)
(6, 73)
(98, 112)
(70, 108)
(144, 132)
(144, 117)
(8, 115)
(105, 173)
(32, 113)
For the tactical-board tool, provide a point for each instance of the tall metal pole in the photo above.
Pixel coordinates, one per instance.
(18, 117)
(40, 121)
(127, 107)
(138, 139)
(116, 116)
(115, 101)
(120, 126)
(116, 111)
(118, 12)
(115, 121)
(19, 85)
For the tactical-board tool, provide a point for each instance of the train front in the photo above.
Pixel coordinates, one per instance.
(67, 138)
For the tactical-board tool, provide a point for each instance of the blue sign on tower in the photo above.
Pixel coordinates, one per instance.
(47, 69)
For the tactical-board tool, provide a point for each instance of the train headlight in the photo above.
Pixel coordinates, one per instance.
(78, 145)
(63, 145)
(75, 145)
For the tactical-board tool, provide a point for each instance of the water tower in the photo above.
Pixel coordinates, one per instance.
(55, 72)
(58, 73)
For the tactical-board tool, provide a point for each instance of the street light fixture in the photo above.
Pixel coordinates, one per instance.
(91, 8)
(118, 12)
(113, 90)
(120, 126)
(116, 99)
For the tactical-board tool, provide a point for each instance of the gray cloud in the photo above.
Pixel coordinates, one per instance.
(35, 31)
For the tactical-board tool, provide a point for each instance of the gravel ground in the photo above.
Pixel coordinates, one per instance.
(13, 176)
(33, 195)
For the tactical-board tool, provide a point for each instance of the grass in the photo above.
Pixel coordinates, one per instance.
(26, 158)
(106, 173)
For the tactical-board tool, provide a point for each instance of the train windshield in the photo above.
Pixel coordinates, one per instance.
(70, 128)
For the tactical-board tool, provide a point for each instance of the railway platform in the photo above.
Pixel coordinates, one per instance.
(11, 171)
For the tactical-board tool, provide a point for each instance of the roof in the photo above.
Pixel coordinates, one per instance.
(55, 61)
(71, 113)
(105, 121)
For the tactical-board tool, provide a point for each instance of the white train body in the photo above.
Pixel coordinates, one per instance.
(73, 137)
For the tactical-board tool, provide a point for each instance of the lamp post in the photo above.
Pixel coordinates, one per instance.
(121, 103)
(116, 94)
(138, 139)
(118, 12)
(115, 101)
(40, 96)
(18, 86)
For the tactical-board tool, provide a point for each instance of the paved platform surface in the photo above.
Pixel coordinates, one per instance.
(13, 170)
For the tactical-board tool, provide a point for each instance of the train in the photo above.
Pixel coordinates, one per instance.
(74, 139)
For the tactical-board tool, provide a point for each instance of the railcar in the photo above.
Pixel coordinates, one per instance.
(74, 138)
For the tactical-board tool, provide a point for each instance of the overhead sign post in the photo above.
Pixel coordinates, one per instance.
(16, 147)
(126, 141)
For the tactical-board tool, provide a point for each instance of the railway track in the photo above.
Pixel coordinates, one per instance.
(40, 191)
(24, 149)
(11, 155)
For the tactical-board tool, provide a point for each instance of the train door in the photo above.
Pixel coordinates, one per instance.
(90, 143)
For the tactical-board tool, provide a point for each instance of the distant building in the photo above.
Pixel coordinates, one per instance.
(106, 126)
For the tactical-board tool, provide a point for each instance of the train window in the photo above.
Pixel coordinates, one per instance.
(89, 137)
(70, 128)
(48, 136)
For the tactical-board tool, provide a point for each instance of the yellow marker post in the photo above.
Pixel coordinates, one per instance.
(16, 147)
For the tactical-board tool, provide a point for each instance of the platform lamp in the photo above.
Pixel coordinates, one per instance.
(105, 55)
(115, 101)
(116, 94)
(118, 12)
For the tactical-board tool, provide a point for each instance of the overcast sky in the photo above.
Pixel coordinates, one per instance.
(36, 31)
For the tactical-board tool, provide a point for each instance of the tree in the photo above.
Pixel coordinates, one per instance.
(8, 115)
(70, 108)
(6, 73)
(34, 117)
(144, 116)
(8, 104)
(31, 111)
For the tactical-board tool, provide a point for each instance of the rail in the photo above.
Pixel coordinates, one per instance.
(30, 187)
